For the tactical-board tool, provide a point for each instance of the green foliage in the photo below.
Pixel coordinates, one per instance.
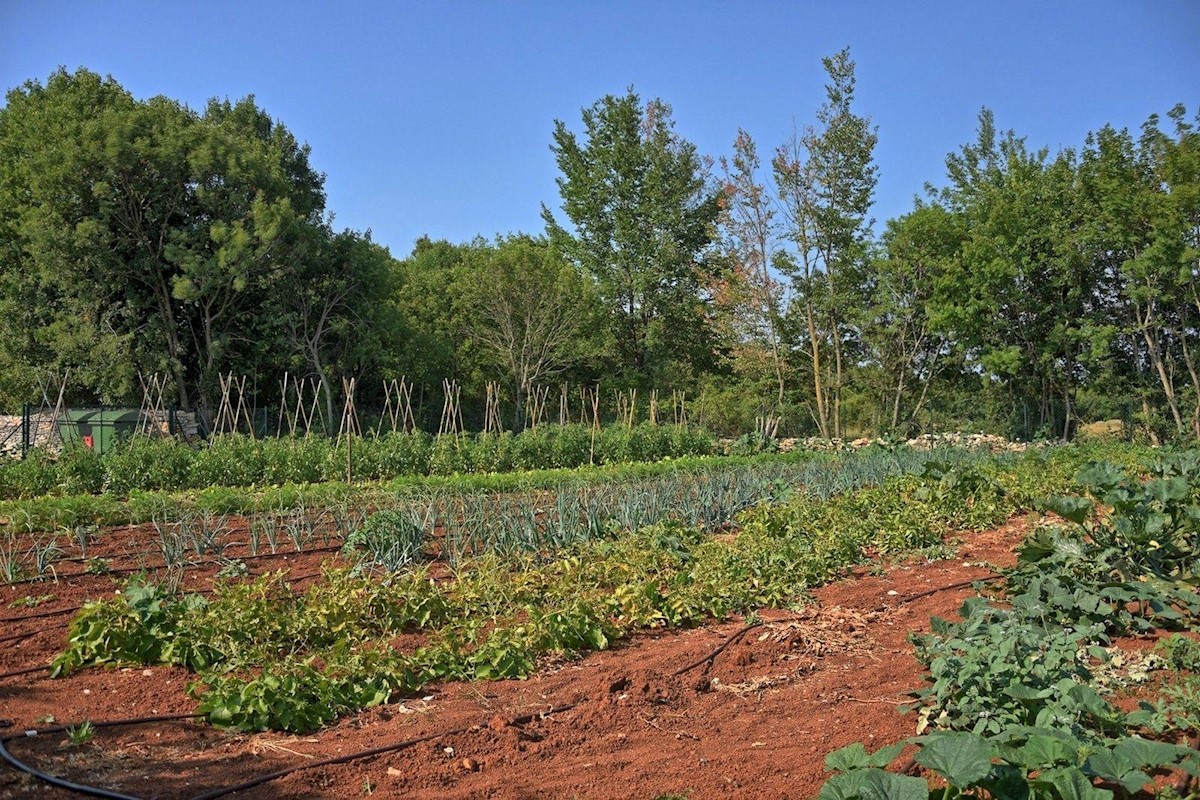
(391, 539)
(1012, 698)
(267, 656)
(81, 734)
(148, 235)
(1024, 762)
(1180, 652)
(642, 215)
(236, 461)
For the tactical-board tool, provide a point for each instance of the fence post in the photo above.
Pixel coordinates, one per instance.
(172, 421)
(25, 443)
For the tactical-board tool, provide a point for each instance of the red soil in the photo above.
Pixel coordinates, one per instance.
(756, 721)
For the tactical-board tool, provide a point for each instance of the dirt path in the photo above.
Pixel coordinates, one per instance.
(756, 721)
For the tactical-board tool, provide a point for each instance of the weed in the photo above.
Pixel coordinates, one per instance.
(30, 601)
(233, 568)
(83, 535)
(44, 551)
(99, 566)
(11, 569)
(79, 735)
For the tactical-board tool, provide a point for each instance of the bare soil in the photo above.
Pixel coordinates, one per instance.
(754, 721)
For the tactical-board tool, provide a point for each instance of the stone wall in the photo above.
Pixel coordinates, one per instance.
(972, 441)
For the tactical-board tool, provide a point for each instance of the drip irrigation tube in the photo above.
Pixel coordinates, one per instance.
(40, 614)
(708, 659)
(133, 570)
(374, 751)
(63, 783)
(94, 791)
(27, 671)
(17, 637)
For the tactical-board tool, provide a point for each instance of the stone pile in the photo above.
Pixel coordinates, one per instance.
(44, 433)
(929, 441)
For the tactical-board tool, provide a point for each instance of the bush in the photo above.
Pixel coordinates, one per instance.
(388, 538)
(148, 464)
(33, 476)
(81, 470)
(170, 465)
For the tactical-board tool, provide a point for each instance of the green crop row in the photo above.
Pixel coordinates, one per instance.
(237, 461)
(52, 513)
(1015, 704)
(266, 656)
(468, 524)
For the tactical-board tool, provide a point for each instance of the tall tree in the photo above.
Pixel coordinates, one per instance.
(340, 321)
(531, 313)
(149, 226)
(826, 180)
(1025, 298)
(902, 340)
(643, 217)
(754, 294)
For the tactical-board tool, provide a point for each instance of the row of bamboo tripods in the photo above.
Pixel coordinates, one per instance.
(300, 409)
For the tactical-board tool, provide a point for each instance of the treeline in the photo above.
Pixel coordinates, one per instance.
(1027, 293)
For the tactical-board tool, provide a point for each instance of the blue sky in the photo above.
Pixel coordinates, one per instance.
(435, 118)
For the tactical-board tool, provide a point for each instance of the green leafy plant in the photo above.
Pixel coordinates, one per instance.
(31, 601)
(78, 735)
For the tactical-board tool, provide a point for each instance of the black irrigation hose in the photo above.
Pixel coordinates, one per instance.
(959, 585)
(131, 570)
(708, 659)
(374, 751)
(63, 783)
(17, 637)
(26, 671)
(40, 614)
(256, 556)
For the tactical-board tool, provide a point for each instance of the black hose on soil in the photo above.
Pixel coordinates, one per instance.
(40, 614)
(374, 751)
(27, 671)
(63, 783)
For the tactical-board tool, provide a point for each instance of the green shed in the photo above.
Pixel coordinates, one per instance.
(99, 429)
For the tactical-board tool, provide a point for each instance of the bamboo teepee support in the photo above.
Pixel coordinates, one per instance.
(153, 410)
(492, 420)
(234, 408)
(349, 425)
(535, 406)
(679, 407)
(397, 407)
(50, 382)
(451, 409)
(626, 406)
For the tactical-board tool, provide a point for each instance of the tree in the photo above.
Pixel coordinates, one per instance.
(901, 338)
(156, 232)
(531, 312)
(754, 296)
(431, 294)
(47, 139)
(1144, 228)
(826, 181)
(340, 320)
(1024, 298)
(643, 218)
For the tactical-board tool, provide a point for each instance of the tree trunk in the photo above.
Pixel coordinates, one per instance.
(1165, 380)
(818, 387)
